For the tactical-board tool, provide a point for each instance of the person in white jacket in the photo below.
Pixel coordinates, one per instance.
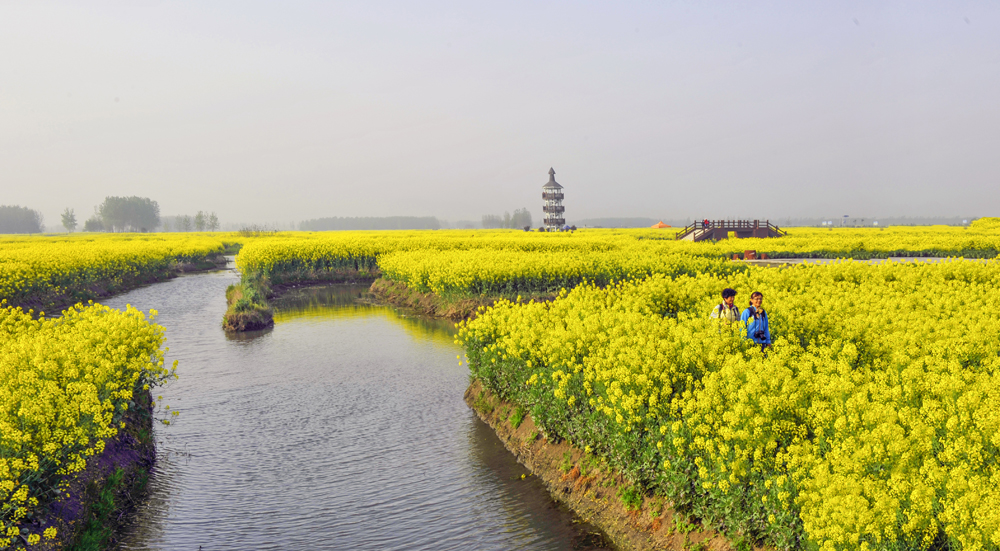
(727, 310)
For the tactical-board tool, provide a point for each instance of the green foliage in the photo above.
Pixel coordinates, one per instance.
(741, 543)
(14, 219)
(183, 223)
(682, 525)
(655, 507)
(94, 224)
(69, 219)
(121, 214)
(248, 307)
(567, 462)
(517, 417)
(483, 404)
(99, 526)
(520, 219)
(200, 221)
(631, 496)
(589, 464)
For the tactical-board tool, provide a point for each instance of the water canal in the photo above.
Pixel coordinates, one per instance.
(343, 427)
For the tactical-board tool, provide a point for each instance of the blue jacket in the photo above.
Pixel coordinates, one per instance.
(756, 324)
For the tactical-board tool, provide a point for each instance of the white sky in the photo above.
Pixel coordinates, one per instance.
(285, 111)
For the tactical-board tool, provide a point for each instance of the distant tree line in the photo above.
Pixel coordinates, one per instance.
(202, 221)
(371, 223)
(128, 214)
(139, 214)
(520, 219)
(14, 219)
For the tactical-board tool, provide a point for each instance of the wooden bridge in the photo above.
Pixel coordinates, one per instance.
(720, 229)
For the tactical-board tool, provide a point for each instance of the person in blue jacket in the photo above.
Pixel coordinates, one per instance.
(755, 320)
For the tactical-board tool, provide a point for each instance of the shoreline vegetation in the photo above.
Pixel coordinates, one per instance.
(98, 501)
(249, 301)
(628, 519)
(44, 273)
(455, 308)
(77, 441)
(63, 297)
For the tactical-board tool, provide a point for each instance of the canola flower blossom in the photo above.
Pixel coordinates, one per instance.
(65, 385)
(507, 262)
(872, 423)
(69, 268)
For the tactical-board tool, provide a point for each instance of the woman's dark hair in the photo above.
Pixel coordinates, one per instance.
(726, 293)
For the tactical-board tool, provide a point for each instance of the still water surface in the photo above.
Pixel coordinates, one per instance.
(343, 427)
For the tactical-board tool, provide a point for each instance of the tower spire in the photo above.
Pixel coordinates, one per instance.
(552, 195)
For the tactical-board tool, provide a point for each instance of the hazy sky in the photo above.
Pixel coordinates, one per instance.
(283, 111)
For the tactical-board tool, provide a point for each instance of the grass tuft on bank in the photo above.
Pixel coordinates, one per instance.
(248, 308)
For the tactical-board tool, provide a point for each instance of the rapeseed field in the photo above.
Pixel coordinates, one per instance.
(871, 423)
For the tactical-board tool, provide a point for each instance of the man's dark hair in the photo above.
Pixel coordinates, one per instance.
(726, 293)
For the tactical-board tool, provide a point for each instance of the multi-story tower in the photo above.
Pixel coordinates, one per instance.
(553, 208)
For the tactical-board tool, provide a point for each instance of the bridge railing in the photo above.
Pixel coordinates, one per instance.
(729, 225)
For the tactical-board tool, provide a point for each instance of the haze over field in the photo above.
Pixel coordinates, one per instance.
(295, 111)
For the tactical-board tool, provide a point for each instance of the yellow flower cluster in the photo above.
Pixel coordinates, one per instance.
(983, 224)
(294, 251)
(65, 384)
(510, 271)
(976, 241)
(872, 423)
(506, 261)
(41, 269)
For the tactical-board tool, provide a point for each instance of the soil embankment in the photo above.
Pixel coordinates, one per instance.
(96, 502)
(399, 294)
(457, 308)
(587, 486)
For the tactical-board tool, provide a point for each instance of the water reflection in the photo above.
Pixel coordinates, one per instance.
(247, 336)
(354, 301)
(518, 497)
(343, 427)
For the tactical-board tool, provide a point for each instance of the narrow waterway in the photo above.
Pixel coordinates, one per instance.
(343, 427)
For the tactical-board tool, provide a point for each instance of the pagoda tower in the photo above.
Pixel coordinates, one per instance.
(553, 208)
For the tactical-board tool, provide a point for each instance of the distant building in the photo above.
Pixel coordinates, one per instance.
(553, 208)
